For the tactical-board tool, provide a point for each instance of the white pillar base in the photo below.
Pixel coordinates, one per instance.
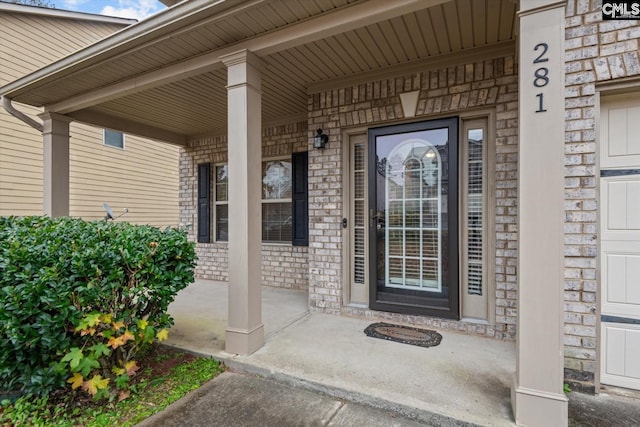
(539, 408)
(244, 342)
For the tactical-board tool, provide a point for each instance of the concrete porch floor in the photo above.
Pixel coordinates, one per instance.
(465, 378)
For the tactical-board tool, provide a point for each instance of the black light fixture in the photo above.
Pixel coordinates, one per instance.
(320, 140)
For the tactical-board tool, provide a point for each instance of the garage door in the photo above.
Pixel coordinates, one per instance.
(620, 241)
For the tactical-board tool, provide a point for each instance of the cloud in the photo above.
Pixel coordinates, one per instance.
(133, 9)
(73, 4)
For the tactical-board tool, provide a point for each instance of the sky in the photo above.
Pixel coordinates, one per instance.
(135, 9)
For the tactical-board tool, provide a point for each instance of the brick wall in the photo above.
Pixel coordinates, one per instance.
(596, 51)
(447, 91)
(282, 265)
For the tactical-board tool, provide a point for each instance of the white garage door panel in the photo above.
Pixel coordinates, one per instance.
(620, 141)
(621, 278)
(620, 240)
(623, 273)
(620, 197)
(616, 278)
(621, 345)
(632, 354)
(633, 204)
(614, 340)
(616, 204)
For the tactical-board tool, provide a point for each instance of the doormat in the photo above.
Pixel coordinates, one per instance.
(404, 334)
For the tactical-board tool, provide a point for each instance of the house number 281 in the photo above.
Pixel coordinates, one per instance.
(541, 74)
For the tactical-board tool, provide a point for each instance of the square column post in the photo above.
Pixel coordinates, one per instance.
(245, 331)
(55, 138)
(537, 396)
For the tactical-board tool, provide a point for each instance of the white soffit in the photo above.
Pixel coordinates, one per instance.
(195, 103)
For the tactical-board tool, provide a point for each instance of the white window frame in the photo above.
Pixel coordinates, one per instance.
(263, 200)
(104, 139)
(216, 202)
(478, 308)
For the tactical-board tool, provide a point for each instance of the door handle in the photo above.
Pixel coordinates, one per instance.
(377, 216)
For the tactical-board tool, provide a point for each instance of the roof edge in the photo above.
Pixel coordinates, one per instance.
(124, 37)
(65, 14)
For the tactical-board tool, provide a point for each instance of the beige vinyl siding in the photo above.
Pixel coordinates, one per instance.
(20, 166)
(143, 177)
(31, 41)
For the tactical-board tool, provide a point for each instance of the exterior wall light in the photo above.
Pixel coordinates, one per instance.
(320, 140)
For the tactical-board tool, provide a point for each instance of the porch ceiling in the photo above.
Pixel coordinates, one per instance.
(170, 79)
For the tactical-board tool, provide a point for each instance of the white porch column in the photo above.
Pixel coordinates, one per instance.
(537, 396)
(245, 332)
(55, 138)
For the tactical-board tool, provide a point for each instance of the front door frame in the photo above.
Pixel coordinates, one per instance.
(452, 310)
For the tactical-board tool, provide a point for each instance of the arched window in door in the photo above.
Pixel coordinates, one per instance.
(413, 216)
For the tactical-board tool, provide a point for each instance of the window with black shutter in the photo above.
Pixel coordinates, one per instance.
(204, 202)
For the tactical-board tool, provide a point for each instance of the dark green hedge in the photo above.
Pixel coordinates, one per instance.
(54, 271)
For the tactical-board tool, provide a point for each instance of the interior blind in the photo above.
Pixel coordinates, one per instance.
(475, 212)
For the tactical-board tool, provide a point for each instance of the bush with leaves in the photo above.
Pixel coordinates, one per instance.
(104, 364)
(57, 273)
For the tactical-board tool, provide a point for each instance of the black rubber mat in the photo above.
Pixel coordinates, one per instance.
(404, 334)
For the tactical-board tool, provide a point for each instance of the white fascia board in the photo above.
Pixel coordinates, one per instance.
(65, 14)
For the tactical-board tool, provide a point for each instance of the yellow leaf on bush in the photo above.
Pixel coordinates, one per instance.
(106, 318)
(115, 342)
(162, 335)
(142, 324)
(118, 371)
(117, 325)
(88, 331)
(131, 367)
(92, 319)
(94, 384)
(127, 336)
(75, 380)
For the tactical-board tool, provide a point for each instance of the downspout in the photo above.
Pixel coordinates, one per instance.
(6, 103)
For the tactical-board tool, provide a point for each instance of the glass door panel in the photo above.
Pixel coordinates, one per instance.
(413, 210)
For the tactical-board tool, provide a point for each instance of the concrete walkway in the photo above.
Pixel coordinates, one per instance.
(200, 314)
(323, 370)
(465, 378)
(242, 400)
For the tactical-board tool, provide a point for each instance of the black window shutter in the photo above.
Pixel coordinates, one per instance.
(300, 205)
(204, 202)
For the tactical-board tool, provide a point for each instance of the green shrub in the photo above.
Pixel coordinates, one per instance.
(55, 272)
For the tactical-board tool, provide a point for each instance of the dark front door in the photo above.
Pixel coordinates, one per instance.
(413, 210)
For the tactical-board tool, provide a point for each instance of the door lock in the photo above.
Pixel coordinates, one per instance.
(377, 218)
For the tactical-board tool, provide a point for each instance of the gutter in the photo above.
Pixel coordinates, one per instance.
(6, 103)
